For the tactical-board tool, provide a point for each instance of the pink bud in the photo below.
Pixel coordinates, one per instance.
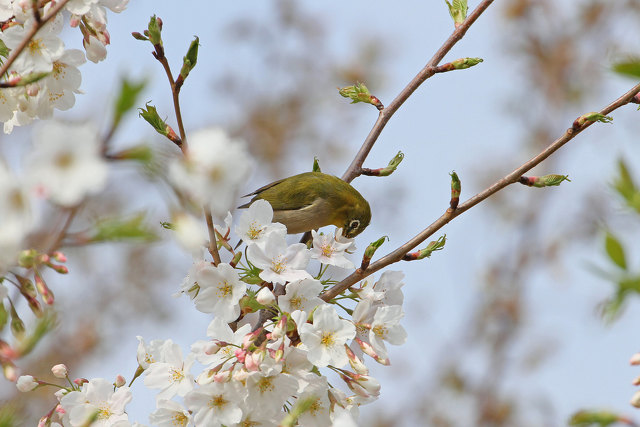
(635, 359)
(59, 371)
(280, 329)
(240, 355)
(59, 256)
(250, 338)
(265, 296)
(80, 381)
(120, 381)
(75, 20)
(355, 362)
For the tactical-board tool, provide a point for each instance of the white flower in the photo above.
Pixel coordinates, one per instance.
(342, 418)
(61, 85)
(387, 290)
(148, 354)
(220, 291)
(188, 285)
(15, 213)
(362, 318)
(259, 417)
(325, 339)
(66, 162)
(59, 371)
(212, 170)
(96, 396)
(44, 48)
(96, 50)
(269, 387)
(190, 232)
(170, 414)
(255, 223)
(171, 375)
(215, 404)
(386, 327)
(219, 331)
(116, 6)
(9, 102)
(79, 7)
(6, 9)
(318, 415)
(328, 250)
(280, 263)
(26, 383)
(301, 295)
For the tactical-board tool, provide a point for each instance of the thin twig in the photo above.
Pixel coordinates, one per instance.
(32, 32)
(175, 92)
(213, 244)
(450, 214)
(73, 211)
(427, 71)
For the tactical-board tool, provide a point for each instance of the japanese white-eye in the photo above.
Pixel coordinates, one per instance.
(312, 200)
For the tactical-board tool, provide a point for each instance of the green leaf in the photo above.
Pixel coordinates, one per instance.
(587, 418)
(4, 50)
(8, 416)
(615, 250)
(127, 98)
(190, 59)
(629, 68)
(118, 229)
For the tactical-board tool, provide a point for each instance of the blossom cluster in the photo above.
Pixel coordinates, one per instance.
(45, 74)
(64, 167)
(274, 351)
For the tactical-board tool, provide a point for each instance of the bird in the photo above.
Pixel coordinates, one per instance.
(312, 200)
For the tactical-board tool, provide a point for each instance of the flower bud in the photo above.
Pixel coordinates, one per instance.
(59, 371)
(280, 329)
(120, 381)
(635, 399)
(80, 381)
(26, 383)
(635, 359)
(355, 362)
(265, 296)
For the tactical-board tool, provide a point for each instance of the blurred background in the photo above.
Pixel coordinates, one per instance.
(505, 325)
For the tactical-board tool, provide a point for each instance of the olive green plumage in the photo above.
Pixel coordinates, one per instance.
(312, 200)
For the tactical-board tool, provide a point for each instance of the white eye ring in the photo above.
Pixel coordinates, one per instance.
(354, 224)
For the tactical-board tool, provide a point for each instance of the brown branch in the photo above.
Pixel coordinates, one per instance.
(175, 92)
(427, 71)
(32, 32)
(73, 211)
(450, 214)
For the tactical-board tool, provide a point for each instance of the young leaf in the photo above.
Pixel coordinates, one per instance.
(615, 250)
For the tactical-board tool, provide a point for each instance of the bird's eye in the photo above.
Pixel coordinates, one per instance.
(354, 224)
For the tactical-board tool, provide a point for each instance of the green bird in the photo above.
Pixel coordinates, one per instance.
(312, 200)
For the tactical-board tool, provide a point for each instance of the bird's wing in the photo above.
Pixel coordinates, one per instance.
(261, 189)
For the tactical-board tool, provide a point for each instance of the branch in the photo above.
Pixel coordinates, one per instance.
(32, 32)
(450, 214)
(427, 71)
